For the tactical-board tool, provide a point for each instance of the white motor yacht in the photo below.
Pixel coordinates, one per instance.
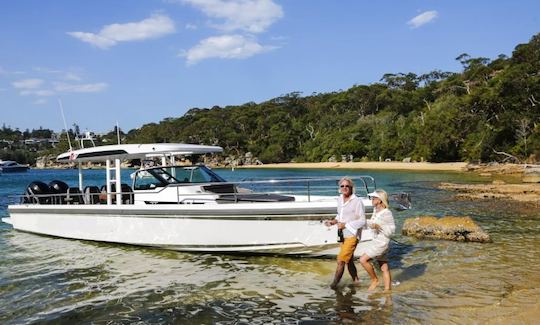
(185, 208)
(10, 166)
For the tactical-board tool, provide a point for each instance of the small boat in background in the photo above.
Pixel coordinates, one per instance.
(10, 166)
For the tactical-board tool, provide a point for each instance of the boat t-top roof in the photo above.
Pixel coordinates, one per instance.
(135, 151)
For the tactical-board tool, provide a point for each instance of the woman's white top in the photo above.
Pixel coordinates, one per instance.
(381, 239)
(352, 213)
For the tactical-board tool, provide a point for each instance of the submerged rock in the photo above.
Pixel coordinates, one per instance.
(446, 228)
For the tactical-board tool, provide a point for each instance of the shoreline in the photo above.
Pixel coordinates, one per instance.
(374, 165)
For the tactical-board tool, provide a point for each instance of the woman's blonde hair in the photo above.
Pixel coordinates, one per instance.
(383, 197)
(347, 179)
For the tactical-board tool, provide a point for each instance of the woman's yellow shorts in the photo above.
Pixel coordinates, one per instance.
(347, 248)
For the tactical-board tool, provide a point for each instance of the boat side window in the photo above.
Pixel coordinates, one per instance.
(144, 180)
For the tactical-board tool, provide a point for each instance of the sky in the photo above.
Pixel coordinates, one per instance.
(138, 62)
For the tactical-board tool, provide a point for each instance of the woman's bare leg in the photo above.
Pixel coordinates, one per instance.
(387, 277)
(364, 260)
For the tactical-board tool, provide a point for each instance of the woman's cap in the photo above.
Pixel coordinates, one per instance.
(381, 195)
(374, 194)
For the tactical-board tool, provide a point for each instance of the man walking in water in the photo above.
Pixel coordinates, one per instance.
(350, 217)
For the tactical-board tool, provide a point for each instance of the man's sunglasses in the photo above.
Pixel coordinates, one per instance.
(345, 186)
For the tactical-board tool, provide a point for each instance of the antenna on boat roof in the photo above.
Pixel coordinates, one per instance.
(117, 132)
(65, 124)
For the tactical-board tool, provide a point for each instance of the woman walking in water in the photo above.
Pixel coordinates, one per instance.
(383, 226)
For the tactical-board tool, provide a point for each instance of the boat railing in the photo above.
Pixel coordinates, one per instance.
(70, 198)
(263, 190)
(259, 190)
(308, 185)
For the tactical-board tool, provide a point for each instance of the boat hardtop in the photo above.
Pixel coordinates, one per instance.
(134, 151)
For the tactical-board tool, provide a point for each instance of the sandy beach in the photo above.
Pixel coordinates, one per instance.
(386, 165)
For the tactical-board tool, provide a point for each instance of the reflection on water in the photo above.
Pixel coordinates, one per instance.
(51, 280)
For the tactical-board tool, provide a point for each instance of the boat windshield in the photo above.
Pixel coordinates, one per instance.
(163, 176)
(193, 174)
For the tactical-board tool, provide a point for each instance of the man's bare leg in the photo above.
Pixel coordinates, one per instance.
(353, 272)
(339, 273)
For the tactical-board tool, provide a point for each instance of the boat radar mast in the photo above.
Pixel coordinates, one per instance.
(87, 136)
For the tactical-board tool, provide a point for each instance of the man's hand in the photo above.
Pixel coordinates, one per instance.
(341, 225)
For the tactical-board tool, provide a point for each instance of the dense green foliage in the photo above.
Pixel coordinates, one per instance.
(25, 147)
(492, 106)
(13, 147)
(489, 111)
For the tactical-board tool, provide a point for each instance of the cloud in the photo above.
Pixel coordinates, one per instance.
(423, 19)
(27, 83)
(155, 26)
(40, 101)
(253, 16)
(66, 75)
(8, 73)
(72, 76)
(81, 88)
(191, 26)
(39, 93)
(224, 47)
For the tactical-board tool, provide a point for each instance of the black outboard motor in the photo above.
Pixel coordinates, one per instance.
(37, 192)
(59, 190)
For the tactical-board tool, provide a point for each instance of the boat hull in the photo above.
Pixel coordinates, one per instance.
(253, 228)
(20, 169)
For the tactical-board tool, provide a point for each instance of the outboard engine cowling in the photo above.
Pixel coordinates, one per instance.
(59, 189)
(37, 192)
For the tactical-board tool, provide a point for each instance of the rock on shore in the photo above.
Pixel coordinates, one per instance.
(447, 228)
(529, 192)
(531, 175)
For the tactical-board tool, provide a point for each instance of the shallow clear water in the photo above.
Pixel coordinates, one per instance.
(50, 280)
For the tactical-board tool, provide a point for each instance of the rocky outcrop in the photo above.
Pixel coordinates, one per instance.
(499, 190)
(462, 229)
(531, 175)
(243, 160)
(49, 161)
(495, 168)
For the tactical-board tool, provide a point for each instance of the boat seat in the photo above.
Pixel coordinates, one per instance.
(74, 196)
(248, 197)
(91, 195)
(125, 189)
(127, 194)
